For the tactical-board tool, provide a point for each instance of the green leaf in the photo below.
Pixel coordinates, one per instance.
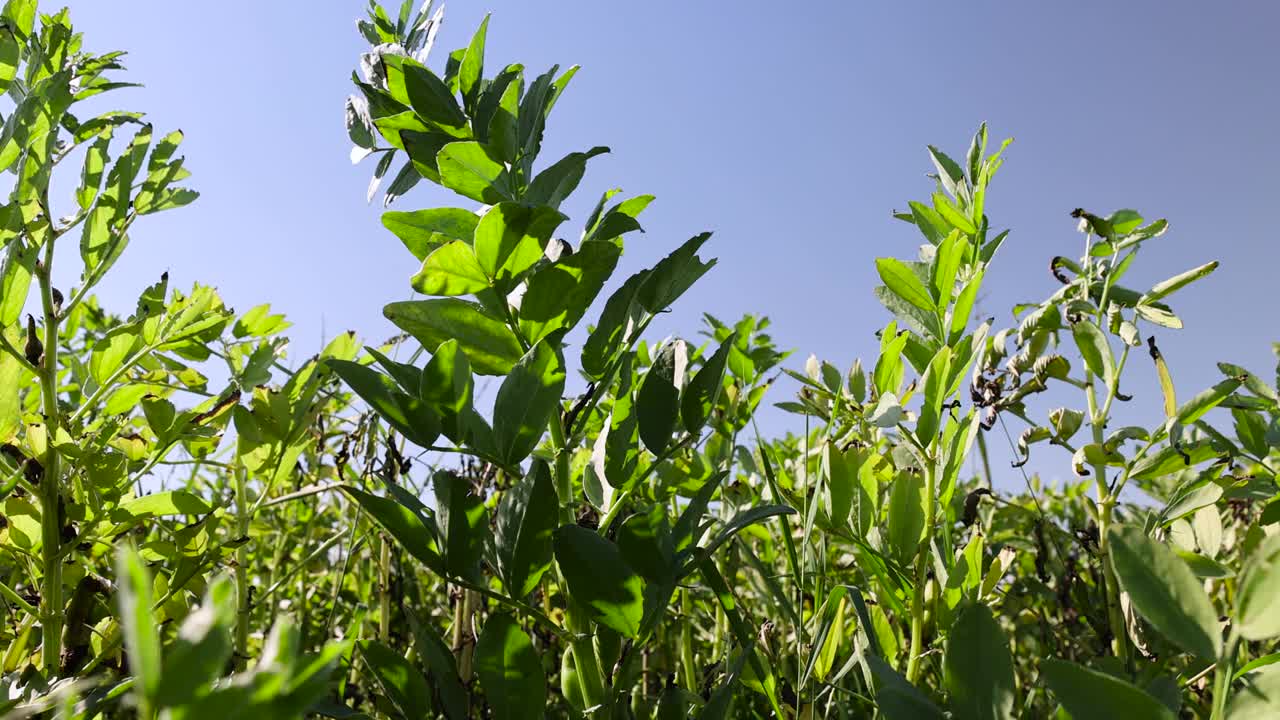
(1259, 698)
(486, 340)
(979, 669)
(165, 503)
(1163, 289)
(202, 648)
(526, 521)
(1088, 693)
(558, 294)
(906, 515)
(897, 698)
(1257, 613)
(409, 415)
(1165, 591)
(467, 169)
(446, 385)
(15, 279)
(904, 283)
(658, 400)
(554, 184)
(616, 327)
(510, 671)
(472, 68)
(511, 238)
(402, 523)
(423, 231)
(464, 525)
(527, 400)
(704, 389)
(1196, 407)
(599, 578)
(619, 442)
(673, 275)
(952, 214)
(451, 270)
(401, 683)
(431, 99)
(141, 636)
(1095, 349)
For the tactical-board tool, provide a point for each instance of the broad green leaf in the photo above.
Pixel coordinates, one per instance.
(165, 503)
(616, 327)
(1165, 591)
(952, 214)
(464, 525)
(1258, 698)
(1088, 693)
(10, 390)
(202, 648)
(442, 669)
(599, 578)
(472, 68)
(422, 231)
(407, 527)
(1163, 289)
(898, 699)
(15, 279)
(486, 340)
(446, 385)
(111, 351)
(409, 415)
(906, 515)
(511, 238)
(1196, 407)
(451, 270)
(510, 671)
(528, 398)
(526, 520)
(467, 169)
(1095, 349)
(704, 389)
(658, 400)
(402, 683)
(141, 635)
(619, 441)
(559, 294)
(904, 283)
(842, 469)
(554, 184)
(431, 99)
(1257, 615)
(979, 669)
(673, 275)
(946, 264)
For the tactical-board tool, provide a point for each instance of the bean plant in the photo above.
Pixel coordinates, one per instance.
(526, 504)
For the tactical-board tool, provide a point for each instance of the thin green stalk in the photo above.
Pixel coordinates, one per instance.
(922, 574)
(242, 569)
(1106, 502)
(50, 483)
(1222, 674)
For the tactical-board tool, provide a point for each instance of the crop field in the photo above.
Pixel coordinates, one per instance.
(528, 503)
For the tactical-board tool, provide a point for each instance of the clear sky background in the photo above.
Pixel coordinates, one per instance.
(790, 129)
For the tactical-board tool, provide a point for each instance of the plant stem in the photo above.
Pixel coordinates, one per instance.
(242, 569)
(922, 575)
(1222, 674)
(1106, 501)
(50, 482)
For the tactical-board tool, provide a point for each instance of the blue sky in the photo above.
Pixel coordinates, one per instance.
(790, 129)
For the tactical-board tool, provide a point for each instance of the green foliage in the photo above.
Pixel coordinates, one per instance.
(524, 506)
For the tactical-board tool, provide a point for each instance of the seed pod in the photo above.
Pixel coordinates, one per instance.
(34, 351)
